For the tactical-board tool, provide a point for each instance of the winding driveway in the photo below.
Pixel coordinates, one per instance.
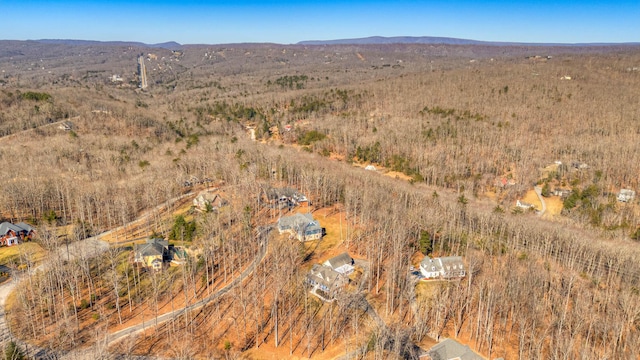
(263, 241)
(409, 350)
(538, 191)
(94, 246)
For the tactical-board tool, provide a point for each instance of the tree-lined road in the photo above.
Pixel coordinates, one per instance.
(538, 191)
(263, 240)
(92, 247)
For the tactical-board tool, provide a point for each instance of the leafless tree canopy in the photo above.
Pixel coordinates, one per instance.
(463, 132)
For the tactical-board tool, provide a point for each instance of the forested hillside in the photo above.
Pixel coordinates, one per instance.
(456, 134)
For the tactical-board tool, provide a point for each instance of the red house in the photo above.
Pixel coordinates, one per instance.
(11, 234)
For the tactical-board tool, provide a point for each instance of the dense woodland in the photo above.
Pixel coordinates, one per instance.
(448, 123)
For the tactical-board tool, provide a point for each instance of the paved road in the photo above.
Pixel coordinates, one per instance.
(92, 247)
(143, 218)
(21, 134)
(538, 190)
(5, 332)
(410, 350)
(88, 248)
(5, 290)
(263, 241)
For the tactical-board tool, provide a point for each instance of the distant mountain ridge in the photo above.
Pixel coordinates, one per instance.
(372, 40)
(170, 45)
(380, 40)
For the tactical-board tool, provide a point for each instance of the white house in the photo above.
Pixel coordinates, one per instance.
(442, 268)
(626, 195)
(524, 205)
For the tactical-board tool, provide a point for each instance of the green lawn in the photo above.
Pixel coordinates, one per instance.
(16, 255)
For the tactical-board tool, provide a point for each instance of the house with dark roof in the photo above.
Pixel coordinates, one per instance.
(281, 198)
(325, 282)
(342, 263)
(449, 349)
(151, 254)
(13, 234)
(450, 267)
(301, 226)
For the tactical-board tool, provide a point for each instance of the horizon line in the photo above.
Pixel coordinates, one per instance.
(386, 40)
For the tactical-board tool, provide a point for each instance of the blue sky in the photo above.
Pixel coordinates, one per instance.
(286, 22)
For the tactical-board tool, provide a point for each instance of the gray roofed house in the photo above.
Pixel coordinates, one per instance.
(278, 193)
(442, 268)
(6, 227)
(326, 280)
(342, 263)
(21, 227)
(12, 234)
(152, 253)
(302, 226)
(449, 349)
(24, 226)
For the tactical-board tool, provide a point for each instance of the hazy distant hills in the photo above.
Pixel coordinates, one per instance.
(379, 40)
(373, 40)
(171, 45)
